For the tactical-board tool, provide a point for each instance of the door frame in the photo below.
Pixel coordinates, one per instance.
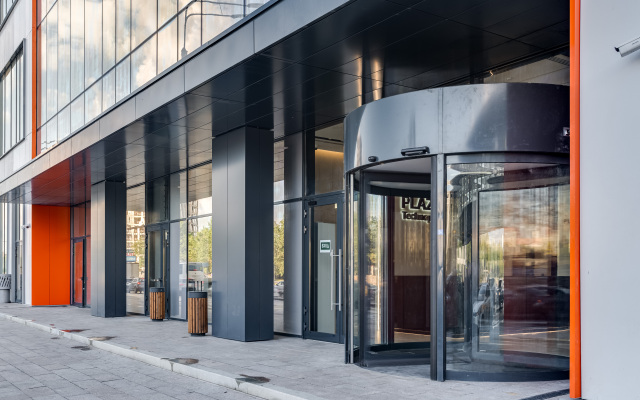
(162, 227)
(84, 271)
(323, 200)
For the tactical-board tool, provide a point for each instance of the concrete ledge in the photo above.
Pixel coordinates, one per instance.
(220, 378)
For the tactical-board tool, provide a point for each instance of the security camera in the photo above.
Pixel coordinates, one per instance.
(628, 48)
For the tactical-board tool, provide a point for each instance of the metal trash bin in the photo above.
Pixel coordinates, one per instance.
(197, 313)
(157, 305)
(5, 288)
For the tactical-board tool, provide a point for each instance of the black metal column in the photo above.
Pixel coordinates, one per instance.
(108, 249)
(242, 286)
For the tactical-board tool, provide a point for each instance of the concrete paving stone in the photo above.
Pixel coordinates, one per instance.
(84, 397)
(51, 397)
(71, 374)
(39, 391)
(11, 391)
(69, 390)
(192, 396)
(19, 396)
(28, 384)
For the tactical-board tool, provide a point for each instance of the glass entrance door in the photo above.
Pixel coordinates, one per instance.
(390, 270)
(157, 262)
(323, 276)
(79, 273)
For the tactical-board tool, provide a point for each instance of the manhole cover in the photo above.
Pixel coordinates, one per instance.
(187, 361)
(253, 379)
(83, 348)
(102, 338)
(73, 330)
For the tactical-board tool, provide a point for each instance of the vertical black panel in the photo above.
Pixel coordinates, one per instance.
(242, 180)
(219, 295)
(108, 248)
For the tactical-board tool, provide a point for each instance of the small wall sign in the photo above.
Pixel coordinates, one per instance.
(325, 246)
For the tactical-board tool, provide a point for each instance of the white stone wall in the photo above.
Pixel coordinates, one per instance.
(610, 190)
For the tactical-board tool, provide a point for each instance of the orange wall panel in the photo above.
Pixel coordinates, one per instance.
(59, 255)
(40, 255)
(51, 255)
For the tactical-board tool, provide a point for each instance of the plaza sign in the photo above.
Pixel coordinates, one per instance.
(416, 209)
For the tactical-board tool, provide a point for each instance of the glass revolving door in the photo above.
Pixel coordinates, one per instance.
(391, 275)
(507, 270)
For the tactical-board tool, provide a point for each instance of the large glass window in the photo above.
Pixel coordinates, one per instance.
(156, 197)
(93, 41)
(5, 7)
(180, 202)
(287, 234)
(218, 16)
(82, 42)
(507, 268)
(278, 268)
(4, 239)
(136, 249)
(326, 173)
(12, 103)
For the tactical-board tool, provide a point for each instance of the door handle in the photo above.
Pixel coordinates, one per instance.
(333, 274)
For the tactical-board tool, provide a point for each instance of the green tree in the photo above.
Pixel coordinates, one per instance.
(278, 249)
(200, 246)
(138, 250)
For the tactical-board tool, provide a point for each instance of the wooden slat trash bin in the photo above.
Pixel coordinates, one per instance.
(157, 304)
(197, 313)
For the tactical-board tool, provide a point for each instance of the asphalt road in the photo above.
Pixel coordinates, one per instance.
(35, 364)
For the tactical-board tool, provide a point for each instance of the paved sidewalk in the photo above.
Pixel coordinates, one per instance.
(32, 365)
(281, 368)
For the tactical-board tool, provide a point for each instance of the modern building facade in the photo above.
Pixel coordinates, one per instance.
(398, 176)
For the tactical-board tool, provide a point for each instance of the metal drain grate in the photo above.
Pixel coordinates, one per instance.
(253, 379)
(187, 361)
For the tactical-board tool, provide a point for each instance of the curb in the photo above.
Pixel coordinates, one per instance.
(265, 390)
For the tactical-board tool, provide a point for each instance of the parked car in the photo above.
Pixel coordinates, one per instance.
(135, 285)
(278, 290)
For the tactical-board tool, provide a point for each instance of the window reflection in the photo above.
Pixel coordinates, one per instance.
(64, 53)
(143, 20)
(143, 64)
(507, 273)
(123, 28)
(82, 41)
(168, 49)
(199, 194)
(108, 34)
(329, 163)
(77, 47)
(12, 103)
(93, 101)
(136, 251)
(200, 255)
(166, 10)
(93, 41)
(52, 62)
(278, 268)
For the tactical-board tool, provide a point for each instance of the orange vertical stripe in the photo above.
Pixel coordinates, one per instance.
(51, 255)
(575, 371)
(40, 255)
(34, 78)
